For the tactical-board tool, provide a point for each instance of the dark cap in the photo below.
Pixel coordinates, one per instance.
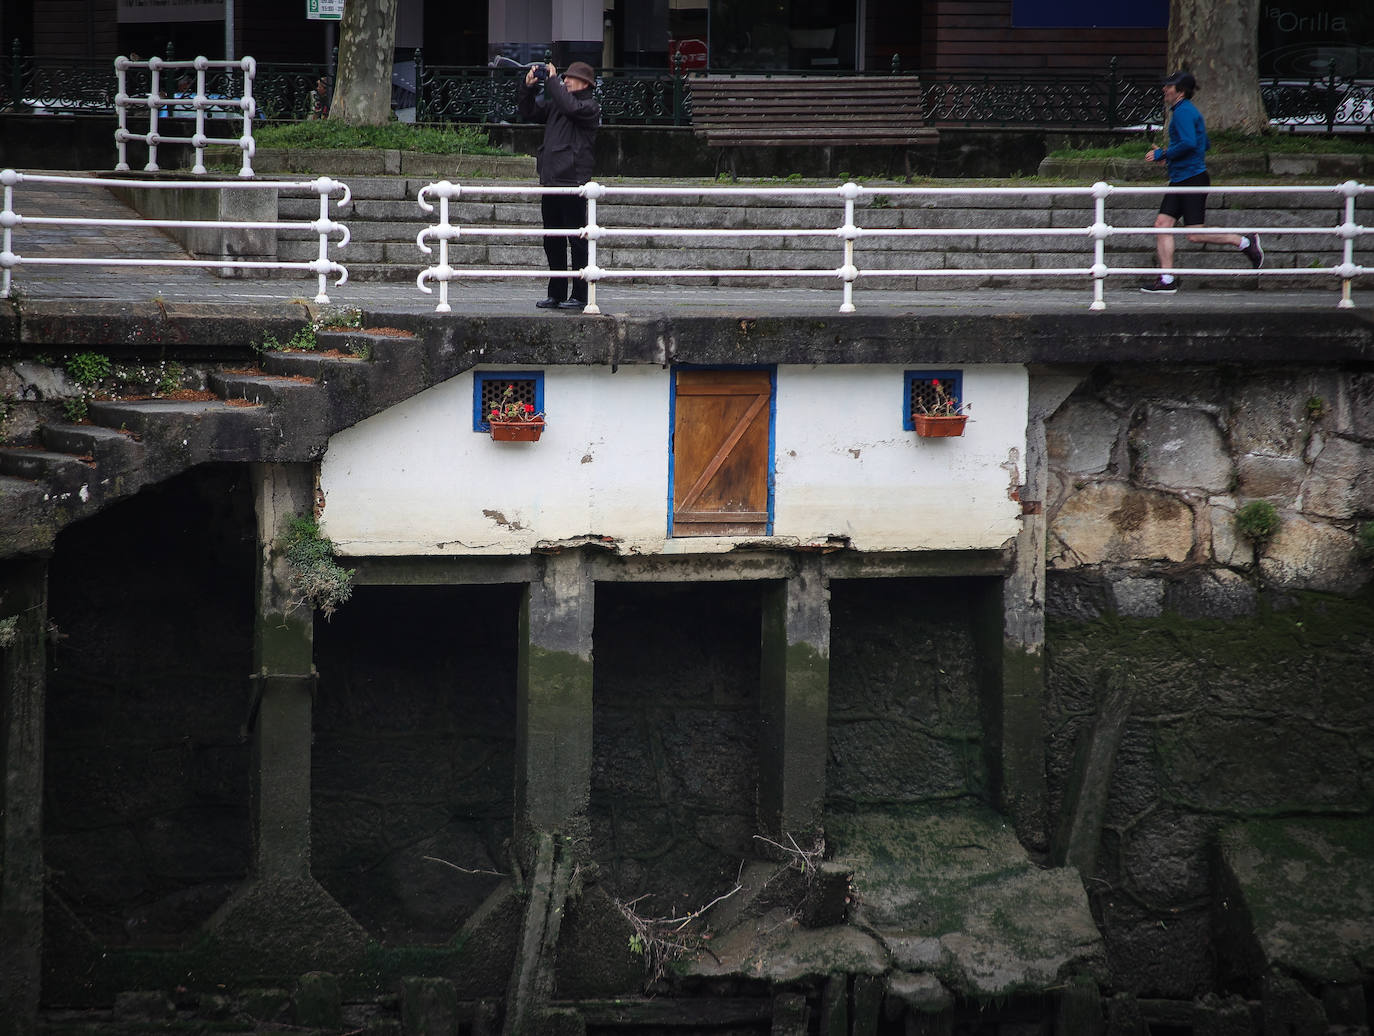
(1183, 80)
(581, 70)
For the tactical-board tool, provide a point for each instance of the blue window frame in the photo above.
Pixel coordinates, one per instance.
(489, 386)
(919, 387)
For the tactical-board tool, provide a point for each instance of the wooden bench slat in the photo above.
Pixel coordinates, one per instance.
(911, 118)
(784, 111)
(780, 139)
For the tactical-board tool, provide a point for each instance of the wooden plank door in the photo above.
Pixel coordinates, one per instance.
(721, 452)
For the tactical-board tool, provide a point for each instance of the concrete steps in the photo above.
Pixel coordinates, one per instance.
(385, 221)
(279, 411)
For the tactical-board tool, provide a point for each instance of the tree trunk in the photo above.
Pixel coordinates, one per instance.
(1219, 44)
(367, 38)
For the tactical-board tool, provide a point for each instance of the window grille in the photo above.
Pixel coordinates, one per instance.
(489, 387)
(919, 388)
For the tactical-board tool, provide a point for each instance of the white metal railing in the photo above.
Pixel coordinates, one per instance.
(155, 100)
(11, 220)
(847, 234)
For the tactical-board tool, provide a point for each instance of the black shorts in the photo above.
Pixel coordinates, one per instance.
(1189, 209)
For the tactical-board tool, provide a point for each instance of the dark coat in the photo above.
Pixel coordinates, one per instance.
(570, 121)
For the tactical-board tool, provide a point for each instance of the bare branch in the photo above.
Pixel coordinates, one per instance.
(464, 870)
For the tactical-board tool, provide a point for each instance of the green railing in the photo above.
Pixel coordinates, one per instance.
(648, 97)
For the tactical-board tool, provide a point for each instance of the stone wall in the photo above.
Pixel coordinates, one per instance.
(905, 727)
(1243, 667)
(1243, 671)
(1168, 455)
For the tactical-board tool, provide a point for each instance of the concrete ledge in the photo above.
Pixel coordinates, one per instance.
(224, 205)
(1326, 166)
(381, 162)
(97, 323)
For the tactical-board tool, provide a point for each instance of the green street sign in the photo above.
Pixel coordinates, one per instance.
(324, 10)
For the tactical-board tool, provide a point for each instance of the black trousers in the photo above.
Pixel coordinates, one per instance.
(565, 212)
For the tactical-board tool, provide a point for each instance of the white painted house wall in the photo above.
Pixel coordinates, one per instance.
(417, 480)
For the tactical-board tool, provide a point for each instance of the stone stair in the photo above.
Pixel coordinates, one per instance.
(385, 220)
(282, 411)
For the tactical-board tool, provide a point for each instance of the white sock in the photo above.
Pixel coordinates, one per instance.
(1167, 278)
(1244, 242)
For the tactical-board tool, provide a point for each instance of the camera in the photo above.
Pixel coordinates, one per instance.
(541, 71)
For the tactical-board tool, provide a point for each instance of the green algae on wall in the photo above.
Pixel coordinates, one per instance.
(1302, 888)
(1257, 715)
(1249, 717)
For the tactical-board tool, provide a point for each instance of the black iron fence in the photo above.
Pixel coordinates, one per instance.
(66, 85)
(641, 97)
(1106, 100)
(648, 97)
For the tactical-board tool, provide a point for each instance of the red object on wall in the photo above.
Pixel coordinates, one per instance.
(692, 50)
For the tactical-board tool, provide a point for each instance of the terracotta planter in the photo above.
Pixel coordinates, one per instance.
(516, 431)
(938, 426)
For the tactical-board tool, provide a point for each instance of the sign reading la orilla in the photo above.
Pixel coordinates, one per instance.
(324, 10)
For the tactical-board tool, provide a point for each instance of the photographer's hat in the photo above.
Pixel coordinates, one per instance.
(581, 70)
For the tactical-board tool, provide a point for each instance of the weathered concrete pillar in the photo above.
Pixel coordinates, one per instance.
(23, 685)
(282, 916)
(1019, 769)
(553, 740)
(284, 677)
(794, 703)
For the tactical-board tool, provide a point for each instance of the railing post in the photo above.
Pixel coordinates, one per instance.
(1112, 98)
(16, 76)
(154, 92)
(9, 178)
(122, 114)
(1348, 231)
(591, 191)
(896, 64)
(848, 271)
(1332, 104)
(201, 93)
(1099, 232)
(250, 71)
(678, 91)
(421, 108)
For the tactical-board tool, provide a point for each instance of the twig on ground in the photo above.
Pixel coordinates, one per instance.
(465, 870)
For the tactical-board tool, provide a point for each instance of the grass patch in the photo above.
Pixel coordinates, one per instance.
(1229, 143)
(398, 136)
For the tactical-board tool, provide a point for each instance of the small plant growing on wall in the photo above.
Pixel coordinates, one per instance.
(87, 370)
(316, 579)
(338, 318)
(1257, 521)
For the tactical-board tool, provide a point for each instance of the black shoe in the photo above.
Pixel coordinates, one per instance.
(1162, 287)
(548, 303)
(576, 304)
(1254, 252)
